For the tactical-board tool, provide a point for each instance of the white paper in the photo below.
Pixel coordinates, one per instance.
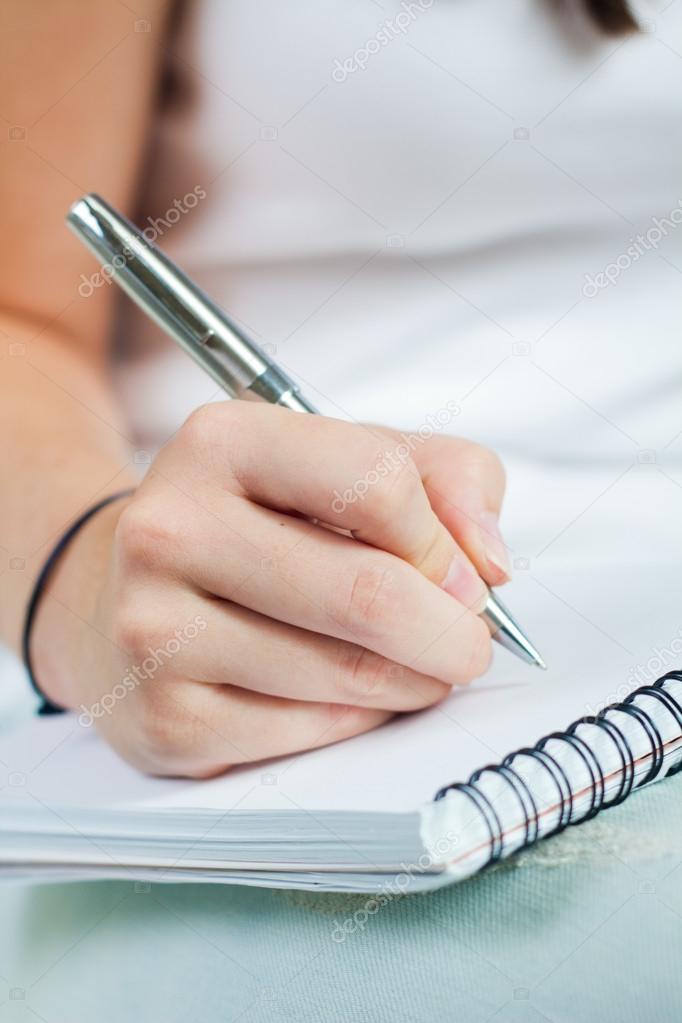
(603, 630)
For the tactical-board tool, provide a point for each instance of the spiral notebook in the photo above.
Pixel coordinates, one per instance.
(428, 799)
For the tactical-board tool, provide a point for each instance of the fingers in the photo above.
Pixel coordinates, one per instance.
(465, 484)
(339, 473)
(246, 649)
(305, 576)
(199, 731)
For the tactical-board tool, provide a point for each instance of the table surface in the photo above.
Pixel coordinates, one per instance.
(588, 925)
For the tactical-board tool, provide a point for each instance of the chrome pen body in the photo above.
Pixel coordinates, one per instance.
(183, 310)
(217, 343)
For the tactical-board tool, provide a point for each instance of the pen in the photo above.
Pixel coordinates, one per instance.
(213, 340)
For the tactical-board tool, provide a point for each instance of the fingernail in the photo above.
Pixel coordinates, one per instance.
(463, 582)
(495, 549)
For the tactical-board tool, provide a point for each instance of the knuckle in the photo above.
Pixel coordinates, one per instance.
(172, 738)
(146, 534)
(393, 491)
(209, 423)
(130, 530)
(366, 606)
(135, 628)
(126, 628)
(213, 432)
(360, 674)
(166, 739)
(202, 423)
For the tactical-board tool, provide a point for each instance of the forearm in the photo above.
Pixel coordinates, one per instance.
(63, 446)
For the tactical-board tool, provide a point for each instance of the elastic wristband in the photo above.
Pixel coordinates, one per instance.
(47, 706)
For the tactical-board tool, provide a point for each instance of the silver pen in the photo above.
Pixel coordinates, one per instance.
(212, 339)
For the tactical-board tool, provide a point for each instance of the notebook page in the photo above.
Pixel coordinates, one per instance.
(604, 630)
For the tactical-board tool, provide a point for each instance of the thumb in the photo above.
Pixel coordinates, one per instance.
(465, 485)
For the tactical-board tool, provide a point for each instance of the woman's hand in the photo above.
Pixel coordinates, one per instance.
(221, 622)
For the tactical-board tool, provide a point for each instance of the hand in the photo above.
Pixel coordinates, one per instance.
(278, 582)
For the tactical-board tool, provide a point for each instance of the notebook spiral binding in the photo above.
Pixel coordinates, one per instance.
(598, 802)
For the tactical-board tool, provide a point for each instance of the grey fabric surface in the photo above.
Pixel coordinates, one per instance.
(588, 926)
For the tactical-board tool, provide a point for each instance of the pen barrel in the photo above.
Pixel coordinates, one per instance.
(180, 308)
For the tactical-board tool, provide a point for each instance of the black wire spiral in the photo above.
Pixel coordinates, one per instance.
(529, 808)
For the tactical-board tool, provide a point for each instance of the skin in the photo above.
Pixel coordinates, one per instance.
(293, 620)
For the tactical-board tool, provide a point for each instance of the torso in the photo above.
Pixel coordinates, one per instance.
(418, 233)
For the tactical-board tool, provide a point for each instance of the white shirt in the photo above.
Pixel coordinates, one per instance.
(416, 206)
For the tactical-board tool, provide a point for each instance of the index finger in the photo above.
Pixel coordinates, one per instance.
(343, 474)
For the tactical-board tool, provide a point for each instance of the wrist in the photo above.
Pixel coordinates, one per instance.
(65, 620)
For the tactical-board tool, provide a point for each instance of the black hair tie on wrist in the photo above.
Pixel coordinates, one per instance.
(47, 706)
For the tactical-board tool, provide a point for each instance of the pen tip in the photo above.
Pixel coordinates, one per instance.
(540, 663)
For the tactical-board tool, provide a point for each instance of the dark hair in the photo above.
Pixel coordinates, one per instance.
(612, 16)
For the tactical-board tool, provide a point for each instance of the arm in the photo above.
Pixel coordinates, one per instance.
(79, 85)
(270, 633)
